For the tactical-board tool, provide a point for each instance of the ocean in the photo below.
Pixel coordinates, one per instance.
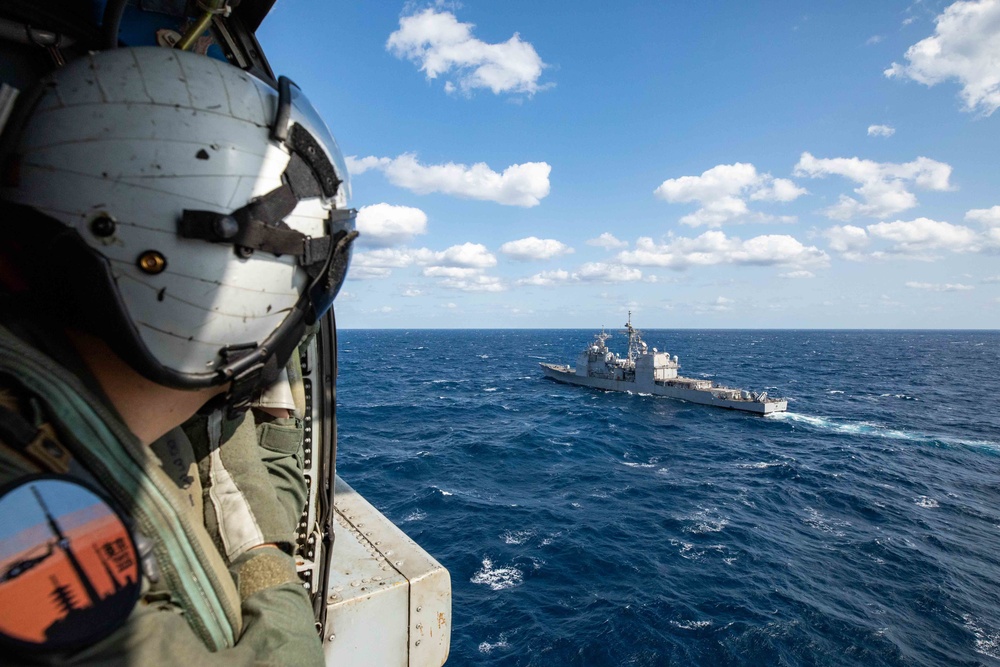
(581, 527)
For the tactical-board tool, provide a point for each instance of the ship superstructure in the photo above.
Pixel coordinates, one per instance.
(653, 372)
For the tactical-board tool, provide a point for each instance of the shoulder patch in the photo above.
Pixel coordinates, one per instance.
(69, 568)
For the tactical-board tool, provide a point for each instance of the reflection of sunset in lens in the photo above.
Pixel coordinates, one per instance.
(43, 596)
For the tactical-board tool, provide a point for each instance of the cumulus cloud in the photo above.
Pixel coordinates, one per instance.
(441, 45)
(988, 217)
(720, 305)
(723, 191)
(965, 47)
(460, 272)
(378, 263)
(881, 130)
(715, 248)
(607, 241)
(533, 248)
(924, 234)
(546, 278)
(606, 273)
(883, 185)
(468, 255)
(459, 267)
(388, 225)
(519, 184)
(937, 287)
(474, 283)
(909, 237)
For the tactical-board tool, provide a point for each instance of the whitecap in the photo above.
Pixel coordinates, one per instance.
(691, 625)
(987, 642)
(835, 391)
(706, 521)
(632, 464)
(826, 524)
(497, 578)
(490, 389)
(415, 515)
(757, 466)
(487, 647)
(924, 501)
(516, 536)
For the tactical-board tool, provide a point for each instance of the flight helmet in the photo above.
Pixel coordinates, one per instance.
(199, 215)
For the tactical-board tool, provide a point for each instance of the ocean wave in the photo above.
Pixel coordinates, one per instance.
(872, 429)
(706, 521)
(691, 625)
(489, 647)
(497, 578)
(924, 501)
(516, 536)
(987, 642)
(904, 397)
(818, 520)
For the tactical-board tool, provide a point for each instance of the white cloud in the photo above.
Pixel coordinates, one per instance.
(723, 190)
(468, 254)
(874, 39)
(881, 130)
(991, 280)
(412, 292)
(451, 272)
(607, 273)
(923, 234)
(608, 241)
(534, 248)
(936, 287)
(519, 185)
(546, 278)
(797, 274)
(357, 166)
(441, 45)
(910, 237)
(379, 263)
(848, 239)
(388, 225)
(458, 267)
(965, 46)
(883, 185)
(988, 217)
(715, 248)
(477, 283)
(721, 304)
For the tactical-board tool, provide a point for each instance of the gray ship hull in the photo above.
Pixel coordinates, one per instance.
(672, 388)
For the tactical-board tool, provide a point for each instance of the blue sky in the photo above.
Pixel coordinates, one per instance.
(705, 165)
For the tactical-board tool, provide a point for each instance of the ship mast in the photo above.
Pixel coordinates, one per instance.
(633, 340)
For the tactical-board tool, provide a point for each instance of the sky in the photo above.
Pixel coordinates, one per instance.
(827, 164)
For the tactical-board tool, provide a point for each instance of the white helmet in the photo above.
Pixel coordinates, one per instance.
(202, 213)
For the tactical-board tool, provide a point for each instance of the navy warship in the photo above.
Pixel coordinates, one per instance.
(653, 372)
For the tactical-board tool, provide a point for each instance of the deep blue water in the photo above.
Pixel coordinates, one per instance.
(589, 528)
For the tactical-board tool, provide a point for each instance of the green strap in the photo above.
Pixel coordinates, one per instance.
(191, 566)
